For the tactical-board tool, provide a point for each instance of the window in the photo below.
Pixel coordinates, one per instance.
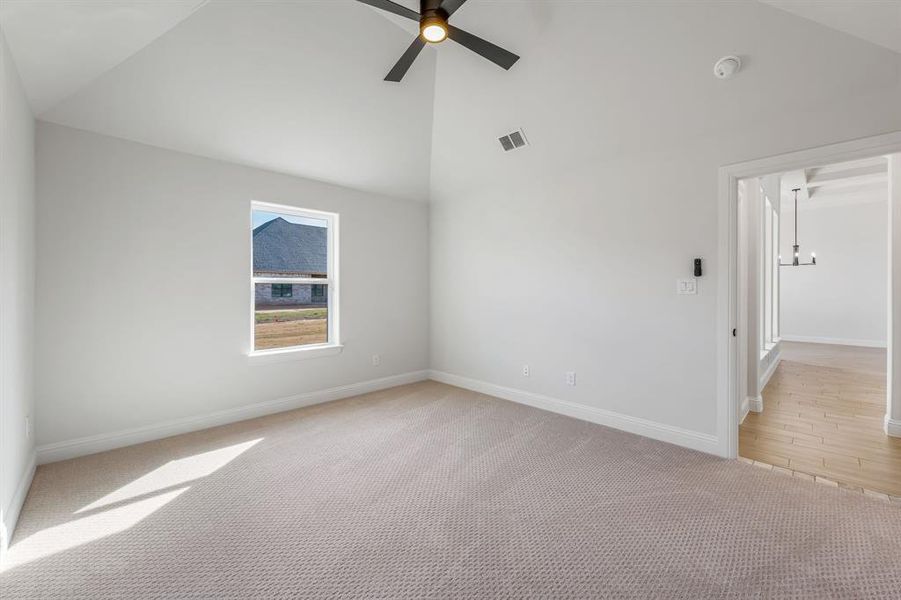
(768, 273)
(769, 307)
(774, 322)
(294, 283)
(282, 290)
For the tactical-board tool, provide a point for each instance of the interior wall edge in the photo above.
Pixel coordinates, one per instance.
(17, 292)
(11, 512)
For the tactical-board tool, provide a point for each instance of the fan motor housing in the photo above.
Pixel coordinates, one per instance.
(433, 19)
(426, 6)
(433, 15)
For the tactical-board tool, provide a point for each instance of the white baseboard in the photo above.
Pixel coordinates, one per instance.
(652, 429)
(755, 403)
(107, 441)
(10, 514)
(892, 427)
(833, 341)
(768, 374)
(750, 404)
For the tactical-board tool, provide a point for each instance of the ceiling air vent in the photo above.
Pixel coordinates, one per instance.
(512, 141)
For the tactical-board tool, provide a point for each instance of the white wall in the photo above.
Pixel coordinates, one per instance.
(143, 274)
(565, 255)
(17, 240)
(843, 299)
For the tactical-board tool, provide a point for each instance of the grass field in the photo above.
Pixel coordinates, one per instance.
(294, 314)
(292, 327)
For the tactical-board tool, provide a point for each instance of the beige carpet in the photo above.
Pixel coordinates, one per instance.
(429, 491)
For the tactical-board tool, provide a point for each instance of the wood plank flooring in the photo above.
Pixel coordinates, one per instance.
(823, 415)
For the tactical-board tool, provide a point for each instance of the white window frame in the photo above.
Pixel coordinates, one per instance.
(777, 274)
(333, 346)
(769, 276)
(769, 272)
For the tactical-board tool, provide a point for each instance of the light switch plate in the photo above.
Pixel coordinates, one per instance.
(686, 286)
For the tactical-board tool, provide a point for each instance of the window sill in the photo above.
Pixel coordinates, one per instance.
(265, 357)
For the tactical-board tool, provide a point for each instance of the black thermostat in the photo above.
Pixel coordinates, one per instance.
(698, 271)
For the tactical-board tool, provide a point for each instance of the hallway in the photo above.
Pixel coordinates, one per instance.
(823, 415)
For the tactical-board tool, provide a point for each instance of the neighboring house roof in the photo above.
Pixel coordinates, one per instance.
(283, 247)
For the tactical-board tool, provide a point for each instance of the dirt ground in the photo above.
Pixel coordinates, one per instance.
(283, 334)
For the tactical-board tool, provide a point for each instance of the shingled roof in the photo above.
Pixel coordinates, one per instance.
(280, 246)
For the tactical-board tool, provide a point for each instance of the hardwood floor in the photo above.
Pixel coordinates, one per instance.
(823, 415)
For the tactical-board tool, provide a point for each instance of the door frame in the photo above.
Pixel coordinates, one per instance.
(729, 371)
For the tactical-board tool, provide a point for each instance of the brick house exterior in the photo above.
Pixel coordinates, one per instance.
(285, 249)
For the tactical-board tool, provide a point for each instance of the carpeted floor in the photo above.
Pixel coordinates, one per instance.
(429, 491)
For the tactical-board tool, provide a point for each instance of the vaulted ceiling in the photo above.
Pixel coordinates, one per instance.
(62, 45)
(294, 87)
(876, 21)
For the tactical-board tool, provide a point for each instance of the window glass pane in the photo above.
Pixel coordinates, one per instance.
(776, 275)
(287, 245)
(282, 290)
(300, 319)
(768, 272)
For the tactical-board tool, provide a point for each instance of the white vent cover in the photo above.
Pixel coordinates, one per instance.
(513, 141)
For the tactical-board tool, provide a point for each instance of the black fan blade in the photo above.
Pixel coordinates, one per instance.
(403, 65)
(484, 48)
(393, 7)
(451, 6)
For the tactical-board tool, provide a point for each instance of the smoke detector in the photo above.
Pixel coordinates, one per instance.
(726, 67)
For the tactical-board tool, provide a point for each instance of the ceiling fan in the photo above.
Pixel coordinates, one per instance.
(434, 28)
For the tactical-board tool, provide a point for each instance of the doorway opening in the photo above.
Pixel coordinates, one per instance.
(732, 318)
(813, 259)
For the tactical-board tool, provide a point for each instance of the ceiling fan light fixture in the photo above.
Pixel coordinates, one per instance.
(433, 29)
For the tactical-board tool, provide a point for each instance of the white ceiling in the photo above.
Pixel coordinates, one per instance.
(292, 86)
(854, 182)
(876, 21)
(61, 45)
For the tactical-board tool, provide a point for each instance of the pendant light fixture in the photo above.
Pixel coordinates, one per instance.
(795, 247)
